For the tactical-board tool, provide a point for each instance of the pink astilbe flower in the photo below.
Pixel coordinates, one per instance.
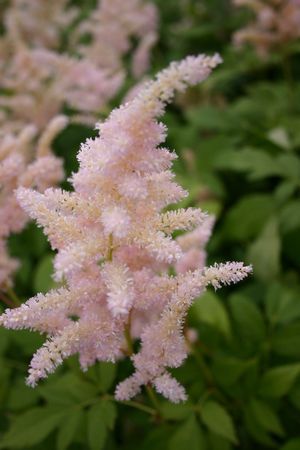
(276, 22)
(40, 82)
(115, 248)
(21, 166)
(40, 23)
(37, 81)
(112, 26)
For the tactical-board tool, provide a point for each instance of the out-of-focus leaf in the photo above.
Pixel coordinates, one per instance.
(282, 303)
(210, 310)
(22, 396)
(228, 369)
(68, 428)
(43, 280)
(109, 412)
(278, 381)
(218, 420)
(248, 216)
(217, 442)
(264, 253)
(32, 427)
(290, 216)
(188, 435)
(280, 137)
(107, 374)
(247, 319)
(172, 411)
(266, 416)
(97, 430)
(293, 444)
(286, 340)
(68, 389)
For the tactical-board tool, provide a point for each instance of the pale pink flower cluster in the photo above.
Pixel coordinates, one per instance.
(276, 22)
(38, 81)
(112, 27)
(20, 165)
(116, 248)
(43, 81)
(41, 22)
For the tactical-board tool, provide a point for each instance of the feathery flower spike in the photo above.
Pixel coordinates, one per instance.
(115, 246)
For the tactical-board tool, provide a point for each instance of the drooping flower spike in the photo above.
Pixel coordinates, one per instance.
(115, 246)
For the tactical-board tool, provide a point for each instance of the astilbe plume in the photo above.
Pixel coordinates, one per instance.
(276, 23)
(37, 80)
(41, 23)
(37, 83)
(115, 248)
(21, 165)
(112, 26)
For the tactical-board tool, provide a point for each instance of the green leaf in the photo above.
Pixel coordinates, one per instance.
(255, 430)
(32, 427)
(4, 340)
(67, 390)
(107, 374)
(256, 162)
(282, 303)
(216, 442)
(266, 416)
(248, 320)
(278, 381)
(280, 137)
(290, 216)
(228, 369)
(108, 412)
(264, 253)
(209, 309)
(288, 166)
(188, 435)
(173, 411)
(43, 280)
(293, 444)
(22, 396)
(97, 430)
(247, 217)
(68, 429)
(217, 420)
(286, 341)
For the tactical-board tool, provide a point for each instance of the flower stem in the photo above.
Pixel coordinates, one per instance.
(128, 338)
(110, 248)
(7, 301)
(140, 406)
(13, 296)
(153, 399)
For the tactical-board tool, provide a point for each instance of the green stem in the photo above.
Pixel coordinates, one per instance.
(133, 404)
(153, 399)
(140, 406)
(128, 338)
(110, 248)
(13, 296)
(7, 301)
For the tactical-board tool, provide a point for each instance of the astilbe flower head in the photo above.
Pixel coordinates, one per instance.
(20, 165)
(276, 22)
(41, 23)
(115, 246)
(37, 80)
(112, 26)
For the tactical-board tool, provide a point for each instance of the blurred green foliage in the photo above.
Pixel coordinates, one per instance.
(238, 137)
